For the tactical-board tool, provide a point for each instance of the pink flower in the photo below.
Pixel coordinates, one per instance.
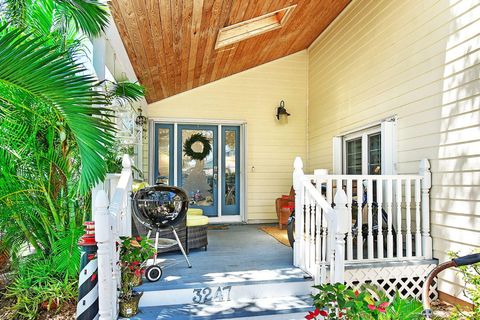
(371, 307)
(383, 305)
(382, 310)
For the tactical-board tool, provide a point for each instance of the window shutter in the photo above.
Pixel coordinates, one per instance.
(389, 146)
(337, 155)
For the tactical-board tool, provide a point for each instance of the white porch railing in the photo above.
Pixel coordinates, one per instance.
(112, 215)
(374, 218)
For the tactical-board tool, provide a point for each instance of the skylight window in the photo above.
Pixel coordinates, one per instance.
(253, 27)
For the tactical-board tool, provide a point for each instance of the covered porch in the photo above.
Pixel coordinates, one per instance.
(244, 273)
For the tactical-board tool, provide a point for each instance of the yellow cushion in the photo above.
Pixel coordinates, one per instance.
(195, 212)
(137, 185)
(194, 220)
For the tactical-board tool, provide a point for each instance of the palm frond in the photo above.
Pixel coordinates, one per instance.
(90, 16)
(39, 71)
(128, 91)
(15, 11)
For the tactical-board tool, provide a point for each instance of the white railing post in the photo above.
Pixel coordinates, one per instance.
(342, 225)
(426, 185)
(102, 237)
(298, 187)
(126, 212)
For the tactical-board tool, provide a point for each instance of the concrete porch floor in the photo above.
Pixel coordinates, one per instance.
(238, 253)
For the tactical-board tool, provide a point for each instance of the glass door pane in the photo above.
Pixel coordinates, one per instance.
(163, 167)
(231, 170)
(354, 156)
(198, 177)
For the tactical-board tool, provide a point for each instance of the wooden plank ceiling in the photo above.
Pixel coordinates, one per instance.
(171, 43)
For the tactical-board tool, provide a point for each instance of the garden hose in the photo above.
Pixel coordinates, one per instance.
(457, 262)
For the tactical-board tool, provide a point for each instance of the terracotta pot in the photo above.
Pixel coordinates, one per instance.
(129, 308)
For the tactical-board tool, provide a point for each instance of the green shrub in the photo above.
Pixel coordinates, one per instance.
(336, 301)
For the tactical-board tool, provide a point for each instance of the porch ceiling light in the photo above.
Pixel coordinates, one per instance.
(282, 113)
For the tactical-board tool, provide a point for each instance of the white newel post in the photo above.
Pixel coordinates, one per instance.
(342, 225)
(102, 237)
(426, 185)
(298, 187)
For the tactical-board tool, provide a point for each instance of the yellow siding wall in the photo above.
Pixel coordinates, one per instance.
(419, 60)
(252, 96)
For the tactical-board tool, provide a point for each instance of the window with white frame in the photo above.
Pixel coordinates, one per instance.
(362, 152)
(369, 150)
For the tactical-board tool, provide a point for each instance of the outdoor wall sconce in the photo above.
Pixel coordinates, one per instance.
(282, 113)
(141, 120)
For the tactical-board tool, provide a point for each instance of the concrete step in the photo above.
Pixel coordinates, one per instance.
(275, 308)
(233, 286)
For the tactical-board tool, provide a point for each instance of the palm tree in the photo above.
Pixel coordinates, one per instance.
(31, 65)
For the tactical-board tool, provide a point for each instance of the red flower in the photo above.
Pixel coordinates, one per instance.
(357, 293)
(137, 273)
(139, 238)
(312, 315)
(340, 314)
(135, 263)
(371, 307)
(324, 313)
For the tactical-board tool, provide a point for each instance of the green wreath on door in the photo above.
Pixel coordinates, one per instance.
(197, 137)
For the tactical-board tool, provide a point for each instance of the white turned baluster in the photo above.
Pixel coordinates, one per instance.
(408, 231)
(342, 226)
(339, 183)
(359, 219)
(318, 242)
(389, 219)
(349, 208)
(370, 218)
(418, 222)
(307, 230)
(426, 185)
(330, 231)
(102, 237)
(324, 244)
(379, 219)
(312, 235)
(298, 187)
(399, 218)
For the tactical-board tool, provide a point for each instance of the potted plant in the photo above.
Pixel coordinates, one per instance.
(134, 252)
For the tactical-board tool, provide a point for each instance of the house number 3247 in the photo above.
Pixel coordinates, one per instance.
(208, 294)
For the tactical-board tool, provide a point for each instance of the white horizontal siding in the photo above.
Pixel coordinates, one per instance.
(419, 60)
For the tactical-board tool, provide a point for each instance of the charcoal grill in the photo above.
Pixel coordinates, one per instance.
(160, 207)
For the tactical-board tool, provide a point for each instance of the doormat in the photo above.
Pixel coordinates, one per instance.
(280, 235)
(218, 227)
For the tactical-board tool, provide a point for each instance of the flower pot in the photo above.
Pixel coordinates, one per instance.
(129, 307)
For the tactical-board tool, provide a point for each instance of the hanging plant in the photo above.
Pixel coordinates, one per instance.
(206, 147)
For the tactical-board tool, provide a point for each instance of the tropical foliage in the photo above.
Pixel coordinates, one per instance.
(336, 301)
(55, 135)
